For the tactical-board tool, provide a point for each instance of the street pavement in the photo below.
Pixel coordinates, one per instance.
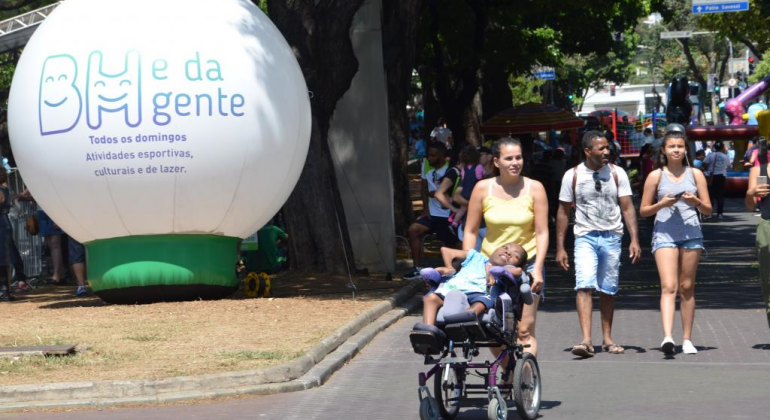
(728, 379)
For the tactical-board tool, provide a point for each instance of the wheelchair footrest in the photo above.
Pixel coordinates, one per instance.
(427, 339)
(463, 331)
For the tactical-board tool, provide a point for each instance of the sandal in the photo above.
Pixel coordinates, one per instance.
(613, 348)
(584, 350)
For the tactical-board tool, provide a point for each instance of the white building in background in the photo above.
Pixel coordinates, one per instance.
(633, 99)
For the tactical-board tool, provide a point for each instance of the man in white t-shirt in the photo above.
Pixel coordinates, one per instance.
(600, 193)
(434, 216)
(442, 134)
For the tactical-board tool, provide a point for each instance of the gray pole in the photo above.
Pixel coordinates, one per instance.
(732, 89)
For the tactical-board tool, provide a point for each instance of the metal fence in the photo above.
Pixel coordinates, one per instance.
(30, 247)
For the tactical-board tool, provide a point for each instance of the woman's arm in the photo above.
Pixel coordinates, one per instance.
(475, 213)
(458, 197)
(648, 206)
(701, 201)
(442, 194)
(541, 233)
(755, 190)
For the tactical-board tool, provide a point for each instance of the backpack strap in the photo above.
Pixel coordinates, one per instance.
(574, 183)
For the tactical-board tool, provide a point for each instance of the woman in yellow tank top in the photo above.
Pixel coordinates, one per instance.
(515, 209)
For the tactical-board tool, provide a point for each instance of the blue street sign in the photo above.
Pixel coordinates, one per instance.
(546, 75)
(729, 6)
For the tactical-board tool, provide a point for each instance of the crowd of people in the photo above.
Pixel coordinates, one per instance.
(62, 250)
(498, 206)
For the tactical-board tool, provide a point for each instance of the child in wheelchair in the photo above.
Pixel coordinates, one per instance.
(480, 302)
(472, 277)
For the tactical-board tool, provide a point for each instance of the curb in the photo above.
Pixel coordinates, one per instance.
(308, 371)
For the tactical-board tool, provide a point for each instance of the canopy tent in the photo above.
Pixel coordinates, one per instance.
(531, 118)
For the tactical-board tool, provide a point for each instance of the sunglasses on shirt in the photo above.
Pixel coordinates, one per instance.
(597, 182)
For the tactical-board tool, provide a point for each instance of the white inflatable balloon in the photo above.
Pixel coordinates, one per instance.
(145, 117)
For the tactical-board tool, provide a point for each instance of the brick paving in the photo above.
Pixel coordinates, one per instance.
(728, 378)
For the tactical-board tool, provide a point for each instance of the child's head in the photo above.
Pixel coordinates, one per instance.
(509, 254)
(700, 154)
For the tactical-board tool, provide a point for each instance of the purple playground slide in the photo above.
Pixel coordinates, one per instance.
(736, 107)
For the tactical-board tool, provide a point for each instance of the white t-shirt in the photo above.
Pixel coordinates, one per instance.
(441, 134)
(434, 176)
(596, 210)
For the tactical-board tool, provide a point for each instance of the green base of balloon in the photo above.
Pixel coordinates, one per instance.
(160, 268)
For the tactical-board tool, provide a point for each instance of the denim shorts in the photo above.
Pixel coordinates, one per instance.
(473, 298)
(76, 251)
(696, 243)
(597, 261)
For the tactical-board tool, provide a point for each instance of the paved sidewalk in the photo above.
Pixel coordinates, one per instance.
(729, 378)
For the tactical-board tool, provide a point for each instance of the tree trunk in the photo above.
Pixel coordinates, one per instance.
(430, 105)
(750, 45)
(472, 123)
(455, 92)
(401, 20)
(319, 34)
(691, 62)
(495, 93)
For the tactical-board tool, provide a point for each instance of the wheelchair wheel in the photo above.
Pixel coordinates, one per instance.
(429, 409)
(497, 410)
(526, 386)
(448, 390)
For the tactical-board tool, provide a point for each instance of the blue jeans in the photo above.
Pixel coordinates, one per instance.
(597, 261)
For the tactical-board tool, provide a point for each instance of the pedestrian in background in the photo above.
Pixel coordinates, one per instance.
(715, 167)
(674, 193)
(6, 240)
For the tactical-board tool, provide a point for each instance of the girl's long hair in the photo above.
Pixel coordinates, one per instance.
(661, 159)
(762, 152)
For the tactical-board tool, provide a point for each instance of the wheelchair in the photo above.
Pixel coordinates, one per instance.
(451, 346)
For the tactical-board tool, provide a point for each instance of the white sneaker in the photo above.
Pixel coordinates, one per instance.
(688, 348)
(668, 346)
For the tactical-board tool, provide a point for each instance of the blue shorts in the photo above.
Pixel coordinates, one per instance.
(76, 251)
(46, 225)
(597, 261)
(696, 243)
(439, 226)
(475, 297)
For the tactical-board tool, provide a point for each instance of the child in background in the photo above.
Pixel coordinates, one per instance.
(457, 217)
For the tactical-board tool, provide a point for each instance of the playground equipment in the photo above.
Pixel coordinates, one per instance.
(678, 111)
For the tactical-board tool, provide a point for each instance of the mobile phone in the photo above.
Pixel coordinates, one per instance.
(761, 180)
(678, 196)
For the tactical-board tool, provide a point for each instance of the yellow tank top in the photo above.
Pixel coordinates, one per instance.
(509, 221)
